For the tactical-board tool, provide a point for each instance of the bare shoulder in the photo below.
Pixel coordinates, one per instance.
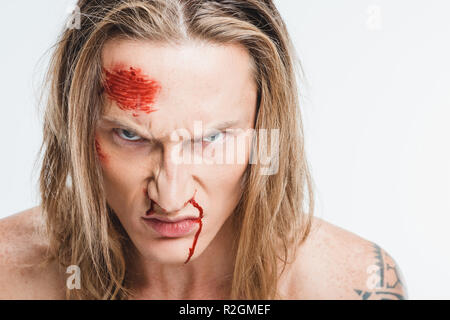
(23, 248)
(334, 263)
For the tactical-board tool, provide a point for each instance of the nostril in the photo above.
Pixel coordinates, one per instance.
(160, 208)
(150, 211)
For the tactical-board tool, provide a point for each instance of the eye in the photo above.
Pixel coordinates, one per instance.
(127, 135)
(213, 137)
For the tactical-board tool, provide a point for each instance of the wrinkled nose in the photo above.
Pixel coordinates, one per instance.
(174, 186)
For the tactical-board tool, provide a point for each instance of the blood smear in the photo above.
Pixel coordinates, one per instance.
(132, 90)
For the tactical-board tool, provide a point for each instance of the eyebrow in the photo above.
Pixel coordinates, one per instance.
(126, 124)
(222, 125)
(129, 125)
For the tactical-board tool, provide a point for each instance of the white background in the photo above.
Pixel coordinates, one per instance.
(376, 108)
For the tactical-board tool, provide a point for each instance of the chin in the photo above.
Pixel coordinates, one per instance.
(167, 251)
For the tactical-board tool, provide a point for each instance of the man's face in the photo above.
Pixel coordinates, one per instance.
(151, 154)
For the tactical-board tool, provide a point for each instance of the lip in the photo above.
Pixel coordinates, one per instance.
(166, 218)
(171, 229)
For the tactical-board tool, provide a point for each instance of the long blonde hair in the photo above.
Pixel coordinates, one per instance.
(272, 217)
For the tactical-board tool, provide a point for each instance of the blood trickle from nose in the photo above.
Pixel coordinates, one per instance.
(131, 89)
(200, 225)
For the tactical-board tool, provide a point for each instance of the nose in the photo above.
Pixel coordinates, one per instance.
(174, 186)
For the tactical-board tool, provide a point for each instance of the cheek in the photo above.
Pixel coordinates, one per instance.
(235, 151)
(229, 162)
(223, 185)
(122, 184)
(121, 176)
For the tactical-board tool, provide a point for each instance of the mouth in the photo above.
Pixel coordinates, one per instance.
(171, 229)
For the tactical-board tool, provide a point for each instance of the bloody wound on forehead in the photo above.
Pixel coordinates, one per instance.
(131, 89)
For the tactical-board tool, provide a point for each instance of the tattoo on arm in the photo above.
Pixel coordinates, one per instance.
(385, 281)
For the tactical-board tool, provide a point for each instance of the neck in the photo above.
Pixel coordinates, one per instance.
(208, 276)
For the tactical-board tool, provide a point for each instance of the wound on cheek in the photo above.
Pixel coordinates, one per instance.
(131, 89)
(100, 153)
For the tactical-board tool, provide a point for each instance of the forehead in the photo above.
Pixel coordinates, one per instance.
(198, 80)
